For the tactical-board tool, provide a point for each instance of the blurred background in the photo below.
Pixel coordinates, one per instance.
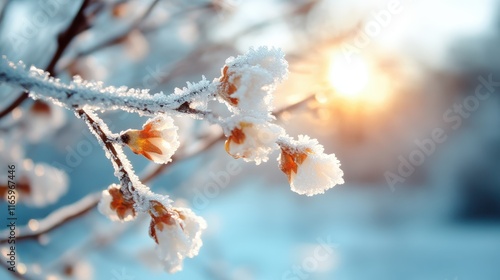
(372, 80)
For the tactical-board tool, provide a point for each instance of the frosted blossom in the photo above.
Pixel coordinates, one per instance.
(114, 206)
(157, 141)
(310, 171)
(41, 184)
(251, 139)
(248, 80)
(177, 233)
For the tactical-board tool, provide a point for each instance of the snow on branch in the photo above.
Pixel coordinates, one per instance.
(80, 93)
(246, 87)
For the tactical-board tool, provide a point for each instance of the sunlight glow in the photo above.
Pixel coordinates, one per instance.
(349, 76)
(357, 80)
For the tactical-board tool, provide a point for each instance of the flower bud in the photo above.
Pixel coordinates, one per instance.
(157, 141)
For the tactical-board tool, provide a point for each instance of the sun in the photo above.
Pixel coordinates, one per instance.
(349, 76)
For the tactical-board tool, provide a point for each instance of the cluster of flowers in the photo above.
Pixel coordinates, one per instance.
(246, 86)
(176, 230)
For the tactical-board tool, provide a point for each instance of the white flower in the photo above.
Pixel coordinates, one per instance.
(252, 139)
(114, 206)
(248, 80)
(157, 141)
(177, 232)
(309, 170)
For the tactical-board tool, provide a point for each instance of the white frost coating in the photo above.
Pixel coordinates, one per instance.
(318, 172)
(180, 240)
(94, 95)
(46, 184)
(251, 139)
(157, 141)
(254, 76)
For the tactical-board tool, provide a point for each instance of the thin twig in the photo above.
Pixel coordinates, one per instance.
(78, 25)
(125, 180)
(3, 10)
(81, 94)
(136, 25)
(63, 215)
(59, 217)
(118, 38)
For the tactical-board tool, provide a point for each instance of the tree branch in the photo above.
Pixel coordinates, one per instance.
(77, 25)
(58, 218)
(95, 125)
(73, 211)
(80, 93)
(136, 25)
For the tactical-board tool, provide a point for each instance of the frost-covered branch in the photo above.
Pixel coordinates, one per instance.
(94, 95)
(245, 87)
(101, 131)
(75, 210)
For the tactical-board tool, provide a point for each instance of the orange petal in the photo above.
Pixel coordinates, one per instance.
(119, 204)
(150, 147)
(288, 165)
(149, 132)
(226, 88)
(152, 231)
(290, 161)
(159, 217)
(237, 136)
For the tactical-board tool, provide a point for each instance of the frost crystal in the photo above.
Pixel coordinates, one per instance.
(94, 95)
(309, 170)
